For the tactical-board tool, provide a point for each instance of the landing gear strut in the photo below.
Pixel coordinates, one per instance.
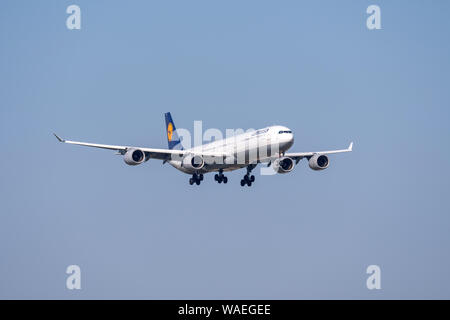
(196, 178)
(220, 177)
(248, 179)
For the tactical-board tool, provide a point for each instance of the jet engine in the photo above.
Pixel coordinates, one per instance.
(134, 157)
(283, 165)
(318, 162)
(193, 162)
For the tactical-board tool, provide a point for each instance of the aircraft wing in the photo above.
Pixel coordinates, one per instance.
(161, 154)
(300, 155)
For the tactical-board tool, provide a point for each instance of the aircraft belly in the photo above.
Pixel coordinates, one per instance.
(243, 154)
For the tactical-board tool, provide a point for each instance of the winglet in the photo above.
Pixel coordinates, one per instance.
(350, 147)
(59, 139)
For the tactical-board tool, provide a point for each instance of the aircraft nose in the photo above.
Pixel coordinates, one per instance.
(290, 139)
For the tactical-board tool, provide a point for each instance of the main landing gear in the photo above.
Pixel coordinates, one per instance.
(196, 178)
(220, 177)
(248, 179)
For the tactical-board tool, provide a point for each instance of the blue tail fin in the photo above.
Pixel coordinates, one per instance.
(172, 136)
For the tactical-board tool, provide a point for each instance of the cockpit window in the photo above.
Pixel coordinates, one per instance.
(284, 131)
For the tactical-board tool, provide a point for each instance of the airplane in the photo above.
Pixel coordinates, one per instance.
(244, 150)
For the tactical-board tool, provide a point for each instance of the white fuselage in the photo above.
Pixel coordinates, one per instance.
(243, 149)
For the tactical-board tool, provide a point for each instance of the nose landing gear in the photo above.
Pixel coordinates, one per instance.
(220, 177)
(196, 178)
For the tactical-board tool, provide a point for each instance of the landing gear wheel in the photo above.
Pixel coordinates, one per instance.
(248, 179)
(219, 177)
(196, 178)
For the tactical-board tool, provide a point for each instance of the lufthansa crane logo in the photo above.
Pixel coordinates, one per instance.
(169, 131)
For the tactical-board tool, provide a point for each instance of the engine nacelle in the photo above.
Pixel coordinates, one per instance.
(283, 165)
(318, 162)
(133, 157)
(193, 162)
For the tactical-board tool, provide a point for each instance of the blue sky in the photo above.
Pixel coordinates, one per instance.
(143, 232)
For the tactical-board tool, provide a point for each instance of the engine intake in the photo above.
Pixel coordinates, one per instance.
(193, 162)
(283, 165)
(134, 157)
(318, 162)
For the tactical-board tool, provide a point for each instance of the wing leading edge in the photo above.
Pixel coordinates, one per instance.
(300, 155)
(161, 154)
